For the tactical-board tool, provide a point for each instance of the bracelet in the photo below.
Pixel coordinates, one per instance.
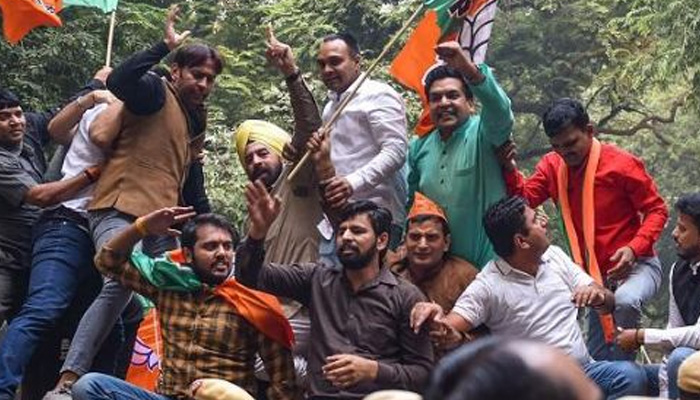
(140, 226)
(636, 337)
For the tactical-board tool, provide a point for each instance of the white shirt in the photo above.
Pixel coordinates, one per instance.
(82, 154)
(369, 145)
(513, 303)
(677, 333)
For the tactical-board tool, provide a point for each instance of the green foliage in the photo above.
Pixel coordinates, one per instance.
(631, 61)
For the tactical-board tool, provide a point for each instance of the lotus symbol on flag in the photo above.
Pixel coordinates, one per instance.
(144, 355)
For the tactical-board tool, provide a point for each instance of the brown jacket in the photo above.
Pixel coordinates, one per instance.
(151, 155)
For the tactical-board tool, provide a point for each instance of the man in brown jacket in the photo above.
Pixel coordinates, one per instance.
(157, 134)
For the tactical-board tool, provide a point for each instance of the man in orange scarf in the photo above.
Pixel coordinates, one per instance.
(612, 214)
(212, 327)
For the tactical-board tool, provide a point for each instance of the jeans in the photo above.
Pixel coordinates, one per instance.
(104, 312)
(617, 378)
(673, 363)
(13, 289)
(62, 261)
(630, 296)
(95, 386)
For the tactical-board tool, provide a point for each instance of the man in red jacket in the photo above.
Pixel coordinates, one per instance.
(612, 214)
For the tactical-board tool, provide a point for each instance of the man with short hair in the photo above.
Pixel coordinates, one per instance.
(368, 141)
(23, 191)
(681, 338)
(212, 327)
(63, 249)
(360, 338)
(455, 165)
(531, 290)
(612, 213)
(429, 263)
(160, 134)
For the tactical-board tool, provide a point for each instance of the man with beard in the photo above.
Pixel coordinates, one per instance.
(368, 140)
(455, 165)
(160, 133)
(682, 334)
(361, 341)
(212, 327)
(612, 215)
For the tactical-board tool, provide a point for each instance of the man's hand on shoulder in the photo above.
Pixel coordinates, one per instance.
(346, 370)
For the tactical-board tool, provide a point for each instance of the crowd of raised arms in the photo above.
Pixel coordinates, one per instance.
(384, 269)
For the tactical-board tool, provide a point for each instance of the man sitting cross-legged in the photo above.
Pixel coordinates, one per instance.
(532, 290)
(212, 327)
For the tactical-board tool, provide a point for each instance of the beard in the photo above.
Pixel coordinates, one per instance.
(355, 260)
(689, 253)
(268, 176)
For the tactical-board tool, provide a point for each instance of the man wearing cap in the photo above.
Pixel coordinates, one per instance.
(428, 263)
(294, 236)
(455, 165)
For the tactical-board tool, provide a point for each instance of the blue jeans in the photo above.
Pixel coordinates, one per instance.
(617, 378)
(95, 386)
(61, 261)
(630, 296)
(673, 363)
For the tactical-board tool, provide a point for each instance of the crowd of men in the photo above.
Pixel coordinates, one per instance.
(359, 273)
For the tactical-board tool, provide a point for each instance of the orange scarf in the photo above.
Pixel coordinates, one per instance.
(586, 258)
(262, 310)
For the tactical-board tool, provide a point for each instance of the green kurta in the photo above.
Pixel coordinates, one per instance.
(462, 174)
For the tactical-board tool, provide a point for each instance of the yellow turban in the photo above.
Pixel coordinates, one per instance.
(217, 389)
(254, 130)
(689, 374)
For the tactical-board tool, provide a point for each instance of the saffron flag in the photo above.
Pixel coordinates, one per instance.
(105, 5)
(21, 16)
(467, 21)
(144, 369)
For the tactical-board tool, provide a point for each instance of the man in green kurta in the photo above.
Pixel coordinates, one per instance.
(456, 164)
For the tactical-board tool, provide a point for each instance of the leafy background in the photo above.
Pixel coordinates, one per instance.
(633, 62)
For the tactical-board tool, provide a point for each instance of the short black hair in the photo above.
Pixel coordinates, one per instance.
(189, 230)
(562, 114)
(443, 71)
(195, 54)
(427, 217)
(8, 99)
(689, 205)
(349, 40)
(502, 221)
(479, 369)
(379, 217)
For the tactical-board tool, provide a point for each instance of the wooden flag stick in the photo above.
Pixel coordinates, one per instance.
(334, 117)
(110, 38)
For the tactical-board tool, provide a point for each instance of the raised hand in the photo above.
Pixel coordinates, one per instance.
(159, 222)
(506, 155)
(454, 56)
(279, 54)
(171, 38)
(262, 209)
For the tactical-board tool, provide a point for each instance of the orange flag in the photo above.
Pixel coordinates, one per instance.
(21, 16)
(467, 21)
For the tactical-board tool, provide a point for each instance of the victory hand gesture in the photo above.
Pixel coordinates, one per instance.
(171, 38)
(262, 209)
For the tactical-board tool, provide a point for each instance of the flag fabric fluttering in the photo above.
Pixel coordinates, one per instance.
(105, 5)
(21, 16)
(468, 21)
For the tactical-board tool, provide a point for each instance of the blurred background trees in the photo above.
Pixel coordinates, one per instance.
(632, 62)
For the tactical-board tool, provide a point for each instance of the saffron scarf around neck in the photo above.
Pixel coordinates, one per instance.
(262, 310)
(586, 257)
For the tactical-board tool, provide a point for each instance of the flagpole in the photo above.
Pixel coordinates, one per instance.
(326, 127)
(110, 38)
